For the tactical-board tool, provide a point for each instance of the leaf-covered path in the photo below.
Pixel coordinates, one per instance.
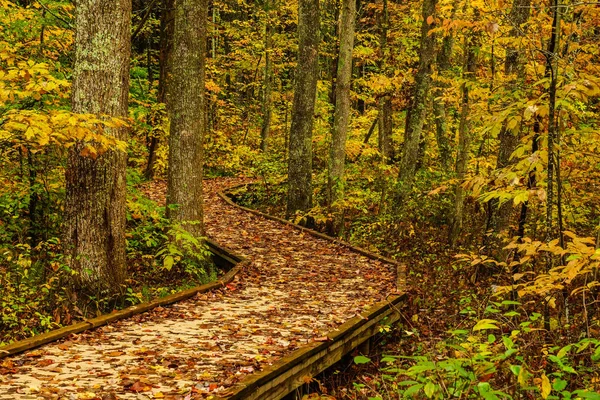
(295, 289)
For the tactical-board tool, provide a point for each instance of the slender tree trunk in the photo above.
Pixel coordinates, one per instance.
(303, 109)
(385, 102)
(439, 107)
(552, 71)
(268, 79)
(165, 54)
(500, 217)
(337, 151)
(188, 122)
(464, 141)
(416, 114)
(95, 188)
(385, 123)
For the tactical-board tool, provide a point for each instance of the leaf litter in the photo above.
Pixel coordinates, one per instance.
(295, 289)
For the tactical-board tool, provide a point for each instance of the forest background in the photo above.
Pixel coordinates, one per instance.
(458, 136)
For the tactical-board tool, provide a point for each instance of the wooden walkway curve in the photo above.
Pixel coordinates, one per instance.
(294, 293)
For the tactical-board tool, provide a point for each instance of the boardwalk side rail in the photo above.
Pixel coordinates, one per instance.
(292, 371)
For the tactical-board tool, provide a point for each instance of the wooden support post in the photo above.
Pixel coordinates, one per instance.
(365, 347)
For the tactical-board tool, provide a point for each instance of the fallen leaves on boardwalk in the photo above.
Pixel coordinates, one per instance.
(295, 289)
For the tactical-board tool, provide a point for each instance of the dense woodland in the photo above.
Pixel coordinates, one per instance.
(460, 137)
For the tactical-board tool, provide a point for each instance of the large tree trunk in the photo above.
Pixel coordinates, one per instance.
(500, 217)
(95, 188)
(464, 142)
(300, 143)
(165, 55)
(337, 153)
(188, 122)
(416, 114)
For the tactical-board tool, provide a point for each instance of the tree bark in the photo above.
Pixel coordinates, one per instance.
(188, 122)
(385, 102)
(337, 151)
(464, 142)
(95, 188)
(303, 108)
(267, 82)
(501, 216)
(165, 55)
(439, 107)
(552, 72)
(385, 123)
(416, 114)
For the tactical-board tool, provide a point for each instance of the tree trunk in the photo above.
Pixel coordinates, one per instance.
(165, 55)
(385, 102)
(500, 217)
(188, 122)
(552, 71)
(303, 108)
(267, 83)
(464, 142)
(337, 153)
(95, 188)
(385, 124)
(416, 114)
(439, 106)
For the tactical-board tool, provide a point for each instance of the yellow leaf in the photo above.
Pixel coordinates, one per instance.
(485, 324)
(545, 386)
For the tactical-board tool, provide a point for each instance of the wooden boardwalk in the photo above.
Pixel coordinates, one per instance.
(278, 319)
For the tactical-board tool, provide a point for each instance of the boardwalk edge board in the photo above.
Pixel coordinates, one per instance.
(289, 373)
(400, 268)
(223, 258)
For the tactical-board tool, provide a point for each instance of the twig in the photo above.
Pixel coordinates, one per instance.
(56, 15)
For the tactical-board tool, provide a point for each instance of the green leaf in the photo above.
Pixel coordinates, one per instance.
(559, 384)
(584, 394)
(361, 360)
(168, 262)
(414, 389)
(515, 369)
(485, 324)
(429, 389)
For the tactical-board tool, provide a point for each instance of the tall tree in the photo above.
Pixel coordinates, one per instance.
(268, 78)
(95, 187)
(303, 108)
(337, 151)
(384, 117)
(443, 60)
(416, 114)
(188, 122)
(164, 59)
(464, 136)
(500, 217)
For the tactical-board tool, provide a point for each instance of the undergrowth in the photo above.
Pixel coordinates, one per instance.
(473, 327)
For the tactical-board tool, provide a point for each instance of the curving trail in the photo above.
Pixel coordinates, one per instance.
(295, 288)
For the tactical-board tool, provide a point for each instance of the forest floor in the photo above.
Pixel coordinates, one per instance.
(294, 290)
